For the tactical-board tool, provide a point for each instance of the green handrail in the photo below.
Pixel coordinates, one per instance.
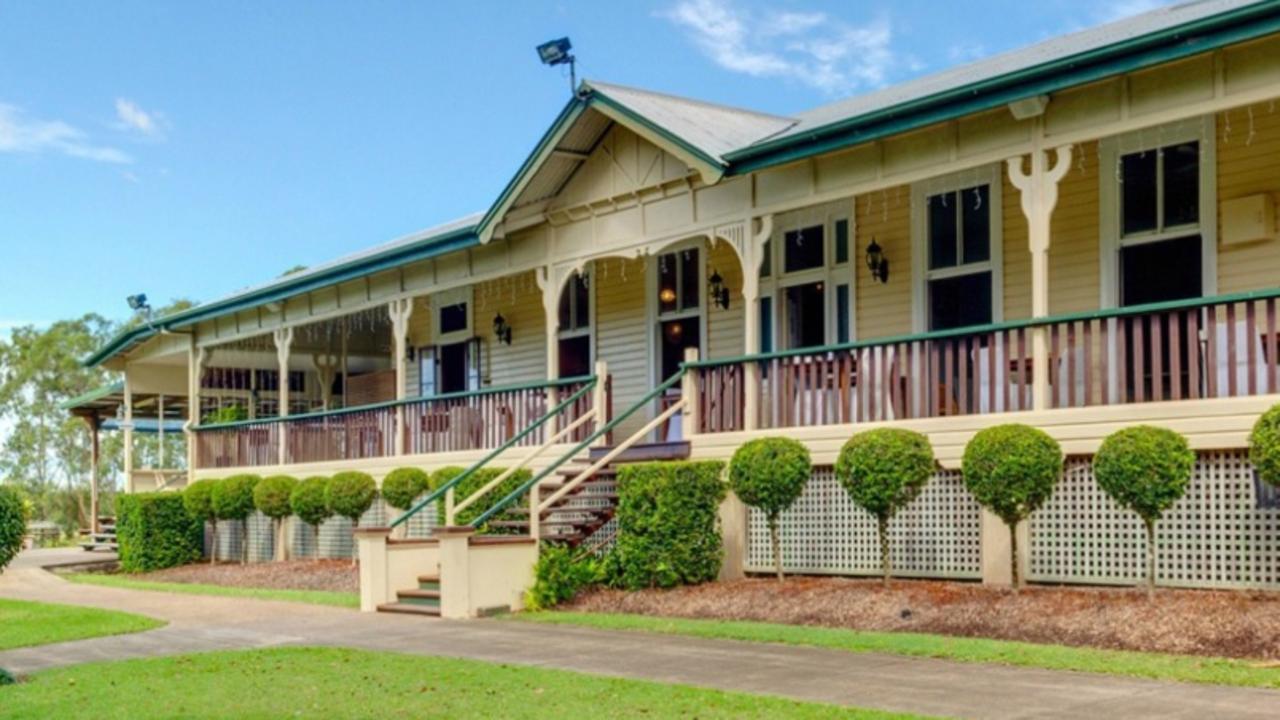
(537, 385)
(453, 482)
(1127, 311)
(515, 494)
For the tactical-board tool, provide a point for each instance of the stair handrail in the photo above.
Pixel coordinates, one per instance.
(514, 495)
(453, 482)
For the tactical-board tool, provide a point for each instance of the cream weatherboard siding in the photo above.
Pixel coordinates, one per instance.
(623, 334)
(883, 309)
(519, 299)
(725, 327)
(1249, 164)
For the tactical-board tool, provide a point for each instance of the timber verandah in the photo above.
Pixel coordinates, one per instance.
(1187, 350)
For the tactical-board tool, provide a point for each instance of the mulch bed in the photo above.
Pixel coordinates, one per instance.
(335, 575)
(1199, 622)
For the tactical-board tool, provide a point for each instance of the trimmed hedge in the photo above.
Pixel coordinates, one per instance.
(232, 498)
(404, 485)
(349, 494)
(308, 503)
(1264, 446)
(668, 529)
(13, 524)
(198, 500)
(271, 496)
(560, 574)
(474, 482)
(769, 474)
(155, 531)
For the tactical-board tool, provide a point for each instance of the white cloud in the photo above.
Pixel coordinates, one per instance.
(22, 134)
(810, 47)
(1112, 11)
(131, 116)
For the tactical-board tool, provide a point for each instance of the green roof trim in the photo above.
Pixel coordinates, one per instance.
(435, 245)
(92, 396)
(1168, 45)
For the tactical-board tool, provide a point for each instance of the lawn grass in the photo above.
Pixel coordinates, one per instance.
(336, 682)
(1181, 668)
(315, 597)
(23, 623)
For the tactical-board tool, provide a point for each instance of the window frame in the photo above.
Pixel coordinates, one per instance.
(1111, 238)
(993, 177)
(831, 274)
(446, 298)
(655, 315)
(587, 330)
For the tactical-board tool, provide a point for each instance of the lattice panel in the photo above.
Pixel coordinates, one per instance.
(335, 534)
(937, 535)
(1221, 534)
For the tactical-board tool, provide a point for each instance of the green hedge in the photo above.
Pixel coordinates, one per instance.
(155, 531)
(474, 482)
(668, 532)
(13, 523)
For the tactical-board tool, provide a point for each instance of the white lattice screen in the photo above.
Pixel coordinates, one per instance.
(335, 534)
(1217, 536)
(826, 533)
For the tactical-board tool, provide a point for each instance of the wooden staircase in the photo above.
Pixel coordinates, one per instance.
(422, 600)
(590, 506)
(104, 539)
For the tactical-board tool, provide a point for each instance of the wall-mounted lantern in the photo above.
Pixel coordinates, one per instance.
(877, 263)
(501, 330)
(718, 291)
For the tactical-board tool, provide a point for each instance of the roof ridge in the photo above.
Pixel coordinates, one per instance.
(604, 86)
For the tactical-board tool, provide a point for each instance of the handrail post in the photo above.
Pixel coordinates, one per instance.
(689, 392)
(600, 400)
(535, 515)
(448, 508)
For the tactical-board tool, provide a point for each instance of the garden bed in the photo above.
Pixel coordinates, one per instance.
(330, 575)
(1213, 623)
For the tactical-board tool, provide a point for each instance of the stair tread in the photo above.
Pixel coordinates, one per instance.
(409, 609)
(429, 578)
(419, 593)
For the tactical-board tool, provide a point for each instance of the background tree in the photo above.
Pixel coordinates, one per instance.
(271, 498)
(1011, 470)
(769, 474)
(233, 500)
(198, 499)
(883, 470)
(350, 494)
(13, 523)
(1146, 469)
(1264, 446)
(308, 502)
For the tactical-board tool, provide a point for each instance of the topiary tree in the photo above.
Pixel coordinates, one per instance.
(198, 500)
(271, 498)
(13, 524)
(1264, 446)
(769, 474)
(1145, 469)
(349, 494)
(308, 502)
(883, 470)
(402, 486)
(1011, 470)
(233, 500)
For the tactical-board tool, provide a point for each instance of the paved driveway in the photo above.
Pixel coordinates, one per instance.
(919, 685)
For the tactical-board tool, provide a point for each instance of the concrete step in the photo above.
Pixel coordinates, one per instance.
(409, 609)
(424, 598)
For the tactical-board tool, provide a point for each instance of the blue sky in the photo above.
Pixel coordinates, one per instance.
(189, 149)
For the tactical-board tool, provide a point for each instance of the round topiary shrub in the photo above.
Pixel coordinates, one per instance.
(402, 486)
(271, 498)
(1146, 469)
(13, 524)
(883, 470)
(349, 494)
(198, 500)
(232, 499)
(1264, 446)
(1011, 470)
(769, 474)
(308, 503)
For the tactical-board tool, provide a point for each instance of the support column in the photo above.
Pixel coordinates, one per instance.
(284, 340)
(128, 434)
(752, 256)
(600, 400)
(689, 390)
(400, 311)
(545, 276)
(197, 357)
(160, 459)
(95, 470)
(1039, 190)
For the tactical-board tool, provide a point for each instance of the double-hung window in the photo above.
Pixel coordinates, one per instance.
(806, 294)
(574, 327)
(958, 237)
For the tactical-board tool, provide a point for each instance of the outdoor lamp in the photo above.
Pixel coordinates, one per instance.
(667, 295)
(501, 330)
(877, 263)
(138, 302)
(555, 52)
(716, 288)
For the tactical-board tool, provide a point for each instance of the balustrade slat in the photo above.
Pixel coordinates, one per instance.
(1273, 370)
(1251, 332)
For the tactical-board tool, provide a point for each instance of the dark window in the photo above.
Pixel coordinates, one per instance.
(976, 217)
(842, 242)
(575, 356)
(842, 313)
(453, 368)
(766, 264)
(453, 318)
(942, 231)
(1138, 188)
(766, 324)
(690, 285)
(806, 316)
(676, 336)
(802, 249)
(575, 304)
(1159, 271)
(960, 301)
(1181, 184)
(679, 287)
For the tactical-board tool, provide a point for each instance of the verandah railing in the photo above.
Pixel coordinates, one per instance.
(459, 421)
(1216, 347)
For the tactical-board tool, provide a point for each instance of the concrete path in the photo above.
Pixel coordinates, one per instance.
(918, 685)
